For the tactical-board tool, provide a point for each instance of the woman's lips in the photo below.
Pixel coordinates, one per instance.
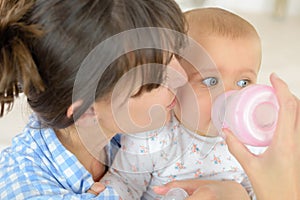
(172, 104)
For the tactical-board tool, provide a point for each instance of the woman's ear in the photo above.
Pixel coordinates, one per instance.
(88, 118)
(72, 108)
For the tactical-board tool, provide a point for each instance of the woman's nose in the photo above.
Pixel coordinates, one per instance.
(176, 76)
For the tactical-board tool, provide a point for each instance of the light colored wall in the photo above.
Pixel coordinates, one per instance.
(13, 123)
(254, 6)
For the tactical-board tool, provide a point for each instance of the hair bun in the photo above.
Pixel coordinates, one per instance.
(16, 63)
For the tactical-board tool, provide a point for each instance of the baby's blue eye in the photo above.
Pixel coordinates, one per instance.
(243, 83)
(210, 81)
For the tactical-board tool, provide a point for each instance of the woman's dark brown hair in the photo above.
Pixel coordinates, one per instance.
(44, 42)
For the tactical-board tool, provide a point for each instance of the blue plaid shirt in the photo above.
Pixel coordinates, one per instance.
(37, 166)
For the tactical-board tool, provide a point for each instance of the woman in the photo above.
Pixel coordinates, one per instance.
(44, 47)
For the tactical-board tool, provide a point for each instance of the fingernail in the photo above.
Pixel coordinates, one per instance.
(160, 189)
(275, 75)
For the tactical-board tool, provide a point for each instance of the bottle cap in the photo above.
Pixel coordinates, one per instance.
(250, 113)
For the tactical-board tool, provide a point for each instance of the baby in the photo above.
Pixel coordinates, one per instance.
(184, 149)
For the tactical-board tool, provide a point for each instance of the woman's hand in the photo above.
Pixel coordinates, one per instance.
(207, 189)
(275, 174)
(96, 188)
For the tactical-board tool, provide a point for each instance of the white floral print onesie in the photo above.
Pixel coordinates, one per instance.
(171, 153)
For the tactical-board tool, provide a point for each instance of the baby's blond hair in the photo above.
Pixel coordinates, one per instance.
(218, 22)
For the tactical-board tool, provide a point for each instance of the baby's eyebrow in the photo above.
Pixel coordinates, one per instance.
(204, 71)
(251, 71)
(204, 74)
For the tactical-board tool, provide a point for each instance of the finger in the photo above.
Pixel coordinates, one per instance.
(287, 112)
(161, 190)
(92, 192)
(198, 194)
(298, 116)
(297, 125)
(190, 186)
(96, 188)
(203, 193)
(239, 150)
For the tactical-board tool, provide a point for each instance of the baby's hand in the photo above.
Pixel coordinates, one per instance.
(96, 188)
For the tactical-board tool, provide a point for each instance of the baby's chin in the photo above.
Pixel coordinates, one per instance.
(210, 132)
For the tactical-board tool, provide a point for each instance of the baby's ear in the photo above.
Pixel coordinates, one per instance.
(88, 118)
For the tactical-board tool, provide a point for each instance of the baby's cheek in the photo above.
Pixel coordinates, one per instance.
(204, 105)
(204, 108)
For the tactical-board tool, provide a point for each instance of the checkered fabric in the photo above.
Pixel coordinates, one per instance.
(37, 166)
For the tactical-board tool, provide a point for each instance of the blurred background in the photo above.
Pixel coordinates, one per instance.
(277, 22)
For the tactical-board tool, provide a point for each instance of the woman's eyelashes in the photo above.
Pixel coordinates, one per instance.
(210, 81)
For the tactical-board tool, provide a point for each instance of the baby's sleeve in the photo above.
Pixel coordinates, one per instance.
(130, 172)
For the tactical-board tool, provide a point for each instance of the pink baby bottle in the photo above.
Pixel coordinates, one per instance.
(251, 114)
